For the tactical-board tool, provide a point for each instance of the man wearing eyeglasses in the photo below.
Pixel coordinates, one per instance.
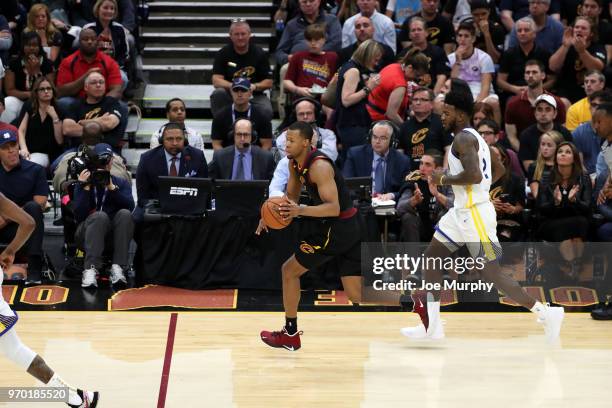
(424, 130)
(549, 30)
(243, 160)
(380, 160)
(241, 59)
(95, 107)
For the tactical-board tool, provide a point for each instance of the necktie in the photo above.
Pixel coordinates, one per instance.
(240, 167)
(173, 171)
(379, 176)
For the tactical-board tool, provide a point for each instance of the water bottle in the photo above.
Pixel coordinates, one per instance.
(280, 25)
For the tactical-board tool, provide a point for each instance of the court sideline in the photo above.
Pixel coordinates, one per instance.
(346, 360)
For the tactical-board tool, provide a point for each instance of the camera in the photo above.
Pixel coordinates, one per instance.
(87, 159)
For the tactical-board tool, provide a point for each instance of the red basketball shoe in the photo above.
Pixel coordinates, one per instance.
(429, 312)
(282, 339)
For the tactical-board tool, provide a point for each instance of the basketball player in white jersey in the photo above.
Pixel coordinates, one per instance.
(471, 222)
(10, 344)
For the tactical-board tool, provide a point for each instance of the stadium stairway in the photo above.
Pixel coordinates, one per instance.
(181, 39)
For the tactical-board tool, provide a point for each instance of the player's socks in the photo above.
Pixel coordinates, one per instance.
(540, 310)
(551, 318)
(291, 325)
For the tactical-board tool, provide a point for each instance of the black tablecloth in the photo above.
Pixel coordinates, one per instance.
(223, 251)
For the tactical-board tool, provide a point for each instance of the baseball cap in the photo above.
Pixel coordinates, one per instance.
(546, 98)
(7, 135)
(103, 149)
(241, 83)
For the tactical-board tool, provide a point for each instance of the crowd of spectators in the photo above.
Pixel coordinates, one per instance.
(370, 76)
(64, 70)
(537, 71)
(63, 42)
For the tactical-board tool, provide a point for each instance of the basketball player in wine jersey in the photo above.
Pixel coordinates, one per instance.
(328, 229)
(471, 222)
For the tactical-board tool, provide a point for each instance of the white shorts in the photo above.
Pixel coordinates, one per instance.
(8, 318)
(475, 227)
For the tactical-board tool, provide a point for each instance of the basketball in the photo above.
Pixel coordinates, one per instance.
(270, 214)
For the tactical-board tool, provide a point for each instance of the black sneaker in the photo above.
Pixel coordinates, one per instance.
(90, 399)
(602, 313)
(33, 278)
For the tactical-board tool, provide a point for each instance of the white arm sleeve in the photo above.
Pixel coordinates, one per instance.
(278, 185)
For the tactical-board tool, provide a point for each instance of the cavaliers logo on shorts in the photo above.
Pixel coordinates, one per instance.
(307, 248)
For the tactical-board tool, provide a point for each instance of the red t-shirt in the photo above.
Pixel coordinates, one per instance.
(306, 69)
(520, 113)
(71, 70)
(391, 77)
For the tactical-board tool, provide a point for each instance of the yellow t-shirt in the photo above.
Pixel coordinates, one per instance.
(577, 114)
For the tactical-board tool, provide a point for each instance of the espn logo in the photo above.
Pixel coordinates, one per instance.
(184, 191)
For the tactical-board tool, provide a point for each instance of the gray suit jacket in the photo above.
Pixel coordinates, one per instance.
(223, 162)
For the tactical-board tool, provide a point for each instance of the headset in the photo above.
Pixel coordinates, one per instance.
(394, 135)
(253, 131)
(317, 108)
(162, 129)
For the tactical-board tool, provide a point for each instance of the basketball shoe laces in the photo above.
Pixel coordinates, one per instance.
(284, 331)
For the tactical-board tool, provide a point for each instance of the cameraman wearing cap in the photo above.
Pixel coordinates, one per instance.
(103, 207)
(92, 135)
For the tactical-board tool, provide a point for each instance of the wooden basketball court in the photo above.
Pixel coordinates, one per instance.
(216, 359)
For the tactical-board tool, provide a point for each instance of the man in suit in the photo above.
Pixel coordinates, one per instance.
(243, 160)
(379, 159)
(173, 157)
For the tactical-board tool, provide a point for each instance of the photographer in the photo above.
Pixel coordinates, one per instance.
(102, 205)
(92, 135)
